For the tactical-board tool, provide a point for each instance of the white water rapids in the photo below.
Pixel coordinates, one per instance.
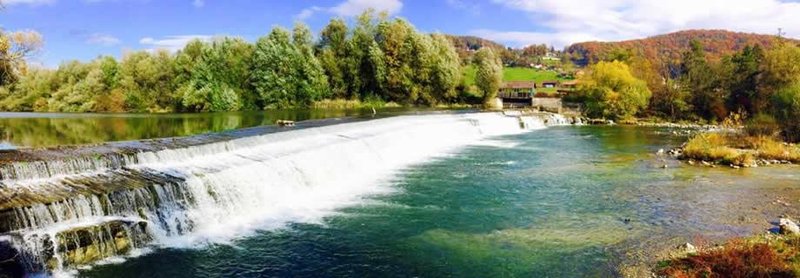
(217, 192)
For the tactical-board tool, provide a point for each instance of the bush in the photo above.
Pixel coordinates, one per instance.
(710, 147)
(762, 125)
(769, 148)
(737, 258)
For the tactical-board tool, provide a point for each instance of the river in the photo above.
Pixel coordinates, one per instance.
(444, 195)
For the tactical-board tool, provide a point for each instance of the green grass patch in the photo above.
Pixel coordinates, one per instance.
(516, 74)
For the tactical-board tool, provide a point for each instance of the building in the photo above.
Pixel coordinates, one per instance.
(517, 93)
(549, 84)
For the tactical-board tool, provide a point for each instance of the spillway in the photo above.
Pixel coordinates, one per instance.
(59, 214)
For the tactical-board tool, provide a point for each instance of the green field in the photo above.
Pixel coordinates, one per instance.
(517, 74)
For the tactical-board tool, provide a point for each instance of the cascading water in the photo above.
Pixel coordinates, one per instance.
(59, 215)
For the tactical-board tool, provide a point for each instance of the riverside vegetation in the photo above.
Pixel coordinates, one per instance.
(377, 61)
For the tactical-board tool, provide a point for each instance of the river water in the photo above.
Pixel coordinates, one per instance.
(558, 202)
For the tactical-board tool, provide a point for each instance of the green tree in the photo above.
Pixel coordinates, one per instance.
(335, 58)
(219, 79)
(698, 78)
(612, 91)
(786, 106)
(283, 74)
(744, 83)
(489, 73)
(780, 69)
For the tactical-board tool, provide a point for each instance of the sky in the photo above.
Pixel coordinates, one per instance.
(86, 29)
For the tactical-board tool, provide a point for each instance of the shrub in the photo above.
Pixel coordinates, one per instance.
(710, 147)
(762, 125)
(737, 258)
(769, 148)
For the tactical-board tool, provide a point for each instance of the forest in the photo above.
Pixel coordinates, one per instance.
(759, 83)
(377, 60)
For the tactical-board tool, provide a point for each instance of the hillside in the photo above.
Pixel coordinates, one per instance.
(669, 47)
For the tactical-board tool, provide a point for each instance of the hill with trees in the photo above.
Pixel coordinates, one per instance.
(668, 48)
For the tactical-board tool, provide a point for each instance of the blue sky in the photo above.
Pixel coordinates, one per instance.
(84, 29)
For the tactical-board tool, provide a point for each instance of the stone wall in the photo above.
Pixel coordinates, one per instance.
(547, 104)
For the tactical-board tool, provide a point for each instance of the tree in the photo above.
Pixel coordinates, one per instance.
(611, 90)
(284, 73)
(446, 71)
(334, 58)
(780, 69)
(15, 47)
(219, 80)
(489, 73)
(401, 49)
(698, 78)
(786, 106)
(744, 83)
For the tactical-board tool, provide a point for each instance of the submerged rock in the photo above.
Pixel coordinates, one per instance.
(788, 227)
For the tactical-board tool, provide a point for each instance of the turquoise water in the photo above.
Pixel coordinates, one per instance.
(561, 202)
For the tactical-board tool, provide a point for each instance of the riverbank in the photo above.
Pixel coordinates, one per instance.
(736, 150)
(765, 255)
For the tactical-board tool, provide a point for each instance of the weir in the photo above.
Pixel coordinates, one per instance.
(86, 204)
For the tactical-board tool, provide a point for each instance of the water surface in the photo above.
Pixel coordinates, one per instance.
(21, 130)
(561, 202)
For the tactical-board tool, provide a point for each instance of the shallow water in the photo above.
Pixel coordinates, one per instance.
(548, 203)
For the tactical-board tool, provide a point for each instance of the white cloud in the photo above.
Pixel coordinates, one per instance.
(198, 3)
(466, 5)
(102, 39)
(569, 21)
(350, 8)
(307, 13)
(171, 43)
(28, 2)
(356, 7)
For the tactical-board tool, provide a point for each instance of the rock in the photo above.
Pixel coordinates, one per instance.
(665, 166)
(788, 227)
(660, 151)
(688, 248)
(705, 163)
(691, 162)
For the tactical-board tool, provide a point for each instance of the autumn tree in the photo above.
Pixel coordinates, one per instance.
(611, 91)
(15, 48)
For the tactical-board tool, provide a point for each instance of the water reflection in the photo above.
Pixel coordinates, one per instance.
(22, 130)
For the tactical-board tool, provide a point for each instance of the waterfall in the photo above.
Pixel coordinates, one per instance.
(58, 215)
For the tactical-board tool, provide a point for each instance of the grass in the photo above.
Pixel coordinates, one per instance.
(516, 74)
(351, 104)
(738, 149)
(759, 256)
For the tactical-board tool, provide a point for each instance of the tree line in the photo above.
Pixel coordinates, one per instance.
(754, 82)
(377, 59)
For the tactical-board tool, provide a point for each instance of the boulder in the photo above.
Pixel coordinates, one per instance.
(788, 227)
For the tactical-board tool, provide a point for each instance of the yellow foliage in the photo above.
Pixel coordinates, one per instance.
(710, 147)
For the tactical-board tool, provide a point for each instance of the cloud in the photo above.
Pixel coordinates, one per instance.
(356, 7)
(28, 2)
(466, 5)
(307, 13)
(171, 43)
(569, 21)
(350, 8)
(102, 39)
(198, 3)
